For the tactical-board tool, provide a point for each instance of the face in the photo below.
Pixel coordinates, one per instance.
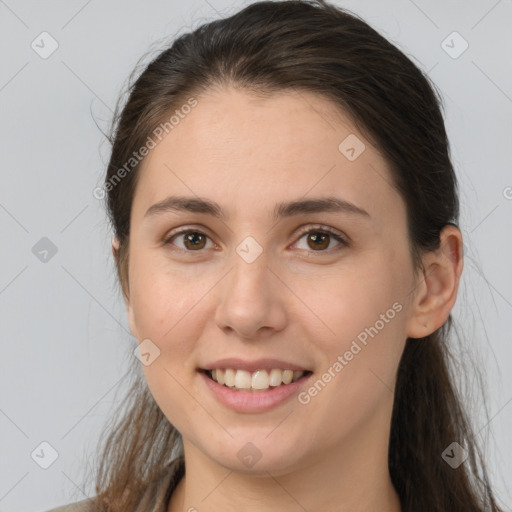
(324, 291)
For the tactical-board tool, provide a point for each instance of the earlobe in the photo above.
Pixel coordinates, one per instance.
(125, 293)
(437, 290)
(115, 254)
(130, 314)
(131, 321)
(115, 247)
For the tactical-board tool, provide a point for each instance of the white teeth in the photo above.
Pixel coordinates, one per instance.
(276, 377)
(287, 376)
(258, 380)
(229, 377)
(297, 375)
(242, 379)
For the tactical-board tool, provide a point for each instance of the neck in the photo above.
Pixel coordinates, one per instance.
(231, 492)
(352, 477)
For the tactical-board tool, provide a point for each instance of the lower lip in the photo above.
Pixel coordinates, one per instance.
(253, 401)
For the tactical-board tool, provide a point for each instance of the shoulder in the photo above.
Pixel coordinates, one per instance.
(155, 498)
(78, 506)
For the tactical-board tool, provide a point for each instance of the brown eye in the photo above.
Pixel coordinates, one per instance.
(193, 241)
(318, 240)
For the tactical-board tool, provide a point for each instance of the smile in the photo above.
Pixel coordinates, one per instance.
(259, 380)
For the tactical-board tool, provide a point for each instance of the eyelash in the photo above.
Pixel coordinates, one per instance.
(343, 242)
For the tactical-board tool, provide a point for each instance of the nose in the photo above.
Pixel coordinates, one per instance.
(251, 299)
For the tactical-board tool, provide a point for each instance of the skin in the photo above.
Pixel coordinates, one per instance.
(294, 302)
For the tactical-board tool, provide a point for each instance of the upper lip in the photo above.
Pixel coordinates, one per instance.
(252, 366)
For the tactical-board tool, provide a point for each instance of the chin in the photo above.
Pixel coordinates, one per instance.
(257, 457)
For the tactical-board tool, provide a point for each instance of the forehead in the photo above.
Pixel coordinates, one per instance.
(244, 150)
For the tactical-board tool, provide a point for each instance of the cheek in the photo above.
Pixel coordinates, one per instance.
(359, 361)
(357, 297)
(166, 309)
(363, 329)
(164, 301)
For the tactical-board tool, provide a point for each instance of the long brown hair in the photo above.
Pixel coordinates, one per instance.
(317, 47)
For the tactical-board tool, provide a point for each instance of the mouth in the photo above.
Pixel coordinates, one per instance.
(257, 381)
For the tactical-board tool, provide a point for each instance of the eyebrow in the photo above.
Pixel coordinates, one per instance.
(281, 210)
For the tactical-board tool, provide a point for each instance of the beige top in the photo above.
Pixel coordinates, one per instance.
(155, 498)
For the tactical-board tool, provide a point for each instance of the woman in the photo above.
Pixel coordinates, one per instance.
(285, 215)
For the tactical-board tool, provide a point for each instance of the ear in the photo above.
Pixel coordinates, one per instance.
(126, 296)
(436, 289)
(131, 319)
(115, 248)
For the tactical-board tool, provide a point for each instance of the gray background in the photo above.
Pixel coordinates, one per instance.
(63, 326)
